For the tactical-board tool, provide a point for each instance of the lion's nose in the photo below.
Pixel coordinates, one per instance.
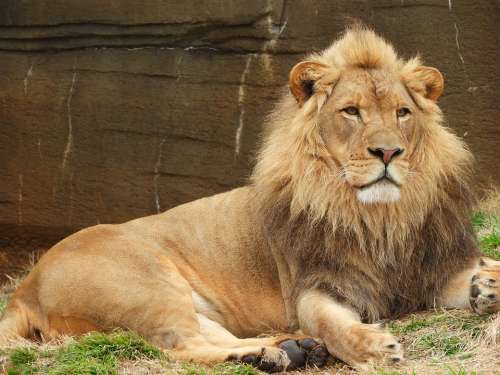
(386, 155)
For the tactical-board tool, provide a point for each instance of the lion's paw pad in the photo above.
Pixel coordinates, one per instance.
(304, 352)
(485, 291)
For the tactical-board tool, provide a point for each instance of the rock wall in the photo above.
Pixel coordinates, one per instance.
(111, 110)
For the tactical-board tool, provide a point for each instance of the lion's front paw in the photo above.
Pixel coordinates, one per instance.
(485, 288)
(370, 344)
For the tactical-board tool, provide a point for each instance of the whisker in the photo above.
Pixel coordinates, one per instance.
(341, 172)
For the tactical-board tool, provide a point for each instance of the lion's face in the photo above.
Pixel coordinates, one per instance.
(369, 107)
(367, 125)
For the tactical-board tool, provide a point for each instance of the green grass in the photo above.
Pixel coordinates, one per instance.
(479, 220)
(221, 369)
(439, 334)
(94, 354)
(490, 245)
(460, 371)
(442, 343)
(23, 360)
(488, 227)
(417, 322)
(414, 324)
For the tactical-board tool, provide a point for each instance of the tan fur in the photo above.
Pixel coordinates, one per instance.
(301, 247)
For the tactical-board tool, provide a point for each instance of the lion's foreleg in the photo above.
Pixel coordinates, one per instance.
(266, 358)
(341, 329)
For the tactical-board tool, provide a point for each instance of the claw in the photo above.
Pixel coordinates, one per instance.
(484, 293)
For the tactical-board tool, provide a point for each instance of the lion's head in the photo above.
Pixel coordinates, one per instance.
(360, 141)
(369, 123)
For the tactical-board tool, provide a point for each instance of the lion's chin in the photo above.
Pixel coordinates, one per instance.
(381, 192)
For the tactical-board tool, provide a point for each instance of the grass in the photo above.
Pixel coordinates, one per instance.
(491, 245)
(448, 342)
(222, 369)
(95, 353)
(99, 354)
(486, 221)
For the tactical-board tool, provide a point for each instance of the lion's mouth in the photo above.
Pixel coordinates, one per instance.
(385, 178)
(383, 190)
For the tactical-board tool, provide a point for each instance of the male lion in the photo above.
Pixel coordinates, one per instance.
(358, 210)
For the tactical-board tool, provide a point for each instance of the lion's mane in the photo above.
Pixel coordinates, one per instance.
(383, 259)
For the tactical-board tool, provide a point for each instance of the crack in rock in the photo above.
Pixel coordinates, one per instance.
(178, 63)
(26, 79)
(458, 44)
(241, 105)
(69, 142)
(157, 175)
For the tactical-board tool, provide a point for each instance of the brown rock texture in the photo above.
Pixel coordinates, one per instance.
(111, 110)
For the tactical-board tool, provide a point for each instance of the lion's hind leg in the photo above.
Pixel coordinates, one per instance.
(301, 351)
(185, 342)
(265, 358)
(171, 322)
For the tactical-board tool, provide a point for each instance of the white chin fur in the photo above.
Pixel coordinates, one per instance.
(381, 192)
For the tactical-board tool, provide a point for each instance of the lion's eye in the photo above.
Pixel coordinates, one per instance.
(402, 112)
(352, 111)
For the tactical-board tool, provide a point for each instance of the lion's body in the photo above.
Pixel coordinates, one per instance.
(210, 246)
(353, 214)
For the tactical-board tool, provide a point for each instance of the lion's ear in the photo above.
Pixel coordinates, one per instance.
(309, 77)
(427, 81)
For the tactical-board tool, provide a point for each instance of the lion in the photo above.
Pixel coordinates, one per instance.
(357, 211)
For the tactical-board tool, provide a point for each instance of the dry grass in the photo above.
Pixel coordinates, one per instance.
(441, 342)
(436, 342)
(490, 204)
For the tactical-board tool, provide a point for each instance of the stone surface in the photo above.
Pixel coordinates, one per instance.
(110, 110)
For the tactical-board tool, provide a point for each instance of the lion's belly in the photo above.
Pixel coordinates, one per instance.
(218, 250)
(244, 302)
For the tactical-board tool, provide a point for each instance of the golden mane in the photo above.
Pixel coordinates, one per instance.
(292, 164)
(296, 183)
(362, 48)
